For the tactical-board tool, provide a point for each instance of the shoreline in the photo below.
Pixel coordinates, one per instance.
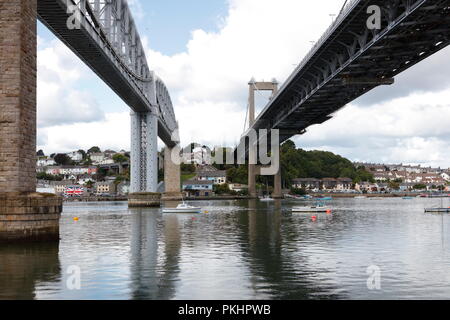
(333, 195)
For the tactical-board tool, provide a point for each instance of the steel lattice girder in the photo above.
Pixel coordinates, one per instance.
(107, 40)
(412, 30)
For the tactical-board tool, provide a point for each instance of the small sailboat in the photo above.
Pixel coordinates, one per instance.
(440, 209)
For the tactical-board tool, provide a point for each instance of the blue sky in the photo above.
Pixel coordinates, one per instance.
(169, 23)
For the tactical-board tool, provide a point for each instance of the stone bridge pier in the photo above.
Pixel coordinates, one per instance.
(24, 214)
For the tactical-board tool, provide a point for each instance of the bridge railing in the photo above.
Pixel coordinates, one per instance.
(114, 26)
(344, 12)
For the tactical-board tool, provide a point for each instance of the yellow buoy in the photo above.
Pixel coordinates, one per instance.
(76, 219)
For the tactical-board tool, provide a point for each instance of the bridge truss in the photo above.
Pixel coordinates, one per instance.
(102, 33)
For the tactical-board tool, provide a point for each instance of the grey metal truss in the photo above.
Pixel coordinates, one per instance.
(350, 60)
(107, 40)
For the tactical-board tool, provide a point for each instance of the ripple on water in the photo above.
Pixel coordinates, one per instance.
(238, 250)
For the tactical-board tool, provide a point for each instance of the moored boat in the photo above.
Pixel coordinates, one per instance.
(183, 208)
(266, 199)
(437, 210)
(324, 199)
(317, 208)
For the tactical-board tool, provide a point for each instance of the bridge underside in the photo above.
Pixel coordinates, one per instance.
(103, 35)
(92, 46)
(351, 60)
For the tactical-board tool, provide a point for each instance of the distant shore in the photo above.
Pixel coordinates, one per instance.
(229, 197)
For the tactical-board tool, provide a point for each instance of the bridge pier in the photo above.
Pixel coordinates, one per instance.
(172, 175)
(144, 160)
(24, 214)
(253, 169)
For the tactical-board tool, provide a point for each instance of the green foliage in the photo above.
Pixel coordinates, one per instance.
(62, 159)
(299, 192)
(187, 168)
(298, 163)
(94, 150)
(40, 153)
(119, 158)
(419, 187)
(48, 177)
(186, 176)
(394, 185)
(238, 174)
(83, 153)
(222, 189)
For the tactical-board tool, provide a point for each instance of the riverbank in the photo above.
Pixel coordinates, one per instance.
(230, 197)
(96, 199)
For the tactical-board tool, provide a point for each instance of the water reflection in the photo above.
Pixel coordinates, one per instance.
(153, 271)
(25, 267)
(277, 271)
(238, 250)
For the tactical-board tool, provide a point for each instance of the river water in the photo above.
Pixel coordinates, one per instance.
(238, 250)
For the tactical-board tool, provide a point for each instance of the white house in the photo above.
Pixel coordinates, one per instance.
(97, 158)
(75, 156)
(45, 162)
(217, 177)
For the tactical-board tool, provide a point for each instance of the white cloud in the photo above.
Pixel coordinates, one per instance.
(113, 132)
(58, 100)
(264, 39)
(412, 129)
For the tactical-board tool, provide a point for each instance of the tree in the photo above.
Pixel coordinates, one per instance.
(394, 185)
(40, 153)
(299, 192)
(89, 184)
(62, 159)
(83, 153)
(188, 168)
(94, 150)
(48, 177)
(119, 158)
(222, 189)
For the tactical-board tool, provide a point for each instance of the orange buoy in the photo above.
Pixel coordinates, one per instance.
(313, 218)
(328, 211)
(76, 219)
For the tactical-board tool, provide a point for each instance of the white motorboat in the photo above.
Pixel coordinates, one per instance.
(361, 197)
(183, 208)
(266, 199)
(311, 209)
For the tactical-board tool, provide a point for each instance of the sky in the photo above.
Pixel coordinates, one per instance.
(206, 51)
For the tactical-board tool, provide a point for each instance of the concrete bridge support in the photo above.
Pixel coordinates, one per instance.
(24, 215)
(253, 169)
(172, 174)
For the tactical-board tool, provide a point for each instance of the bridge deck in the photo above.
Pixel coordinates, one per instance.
(351, 60)
(92, 47)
